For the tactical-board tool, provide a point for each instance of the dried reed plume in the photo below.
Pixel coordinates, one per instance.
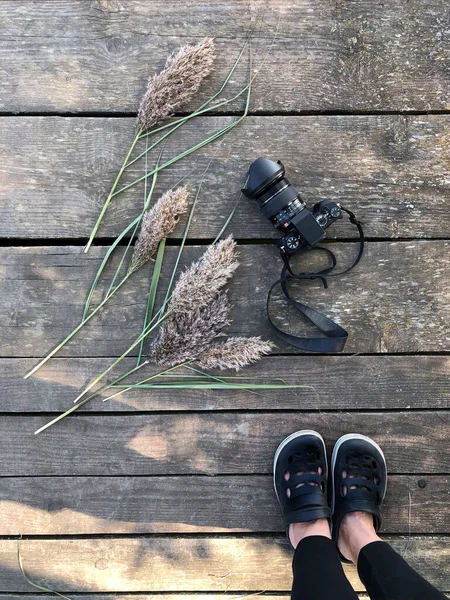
(234, 353)
(176, 84)
(204, 279)
(185, 336)
(157, 223)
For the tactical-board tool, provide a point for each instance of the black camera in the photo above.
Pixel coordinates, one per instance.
(280, 202)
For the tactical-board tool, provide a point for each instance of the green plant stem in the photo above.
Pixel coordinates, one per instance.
(104, 261)
(152, 293)
(135, 223)
(77, 328)
(83, 402)
(177, 158)
(213, 377)
(202, 376)
(130, 386)
(207, 385)
(111, 193)
(147, 202)
(183, 241)
(142, 336)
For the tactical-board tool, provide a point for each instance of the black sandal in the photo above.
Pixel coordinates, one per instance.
(303, 496)
(359, 475)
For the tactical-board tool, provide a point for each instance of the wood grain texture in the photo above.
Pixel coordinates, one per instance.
(96, 56)
(221, 504)
(123, 596)
(395, 301)
(338, 382)
(209, 443)
(392, 171)
(180, 564)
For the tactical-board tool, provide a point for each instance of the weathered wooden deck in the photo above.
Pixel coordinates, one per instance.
(171, 493)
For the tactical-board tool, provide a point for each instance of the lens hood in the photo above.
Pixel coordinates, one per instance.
(263, 173)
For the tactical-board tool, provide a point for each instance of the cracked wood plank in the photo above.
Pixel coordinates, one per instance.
(394, 301)
(392, 171)
(333, 382)
(77, 56)
(208, 443)
(185, 565)
(208, 505)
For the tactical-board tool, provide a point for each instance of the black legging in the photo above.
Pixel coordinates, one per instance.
(318, 574)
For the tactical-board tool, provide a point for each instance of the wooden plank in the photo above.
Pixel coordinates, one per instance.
(122, 596)
(208, 443)
(338, 56)
(184, 564)
(339, 382)
(392, 171)
(395, 301)
(222, 504)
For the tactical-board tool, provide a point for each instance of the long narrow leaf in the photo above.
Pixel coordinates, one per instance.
(152, 293)
(135, 223)
(104, 261)
(211, 385)
(142, 336)
(111, 193)
(86, 400)
(77, 328)
(147, 201)
(161, 373)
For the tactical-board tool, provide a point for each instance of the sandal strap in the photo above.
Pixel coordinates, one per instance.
(306, 514)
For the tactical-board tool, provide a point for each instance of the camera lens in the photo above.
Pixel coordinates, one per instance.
(278, 200)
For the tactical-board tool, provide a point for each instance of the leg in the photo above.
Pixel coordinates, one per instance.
(359, 485)
(300, 479)
(318, 573)
(385, 573)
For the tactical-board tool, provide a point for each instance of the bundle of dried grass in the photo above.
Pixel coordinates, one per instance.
(234, 353)
(176, 84)
(188, 334)
(204, 279)
(158, 223)
(198, 309)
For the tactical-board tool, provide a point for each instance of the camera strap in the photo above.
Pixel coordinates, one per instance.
(335, 335)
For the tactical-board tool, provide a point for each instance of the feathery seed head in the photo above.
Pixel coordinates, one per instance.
(234, 353)
(204, 279)
(176, 84)
(158, 223)
(184, 336)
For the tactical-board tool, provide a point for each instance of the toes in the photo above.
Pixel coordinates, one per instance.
(287, 476)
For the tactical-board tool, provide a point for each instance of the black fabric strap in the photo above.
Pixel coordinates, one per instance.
(335, 335)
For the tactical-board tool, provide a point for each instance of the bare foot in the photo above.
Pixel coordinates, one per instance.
(355, 532)
(298, 531)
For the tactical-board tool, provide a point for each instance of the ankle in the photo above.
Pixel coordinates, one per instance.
(356, 531)
(298, 531)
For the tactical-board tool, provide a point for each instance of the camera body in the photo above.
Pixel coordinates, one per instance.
(280, 202)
